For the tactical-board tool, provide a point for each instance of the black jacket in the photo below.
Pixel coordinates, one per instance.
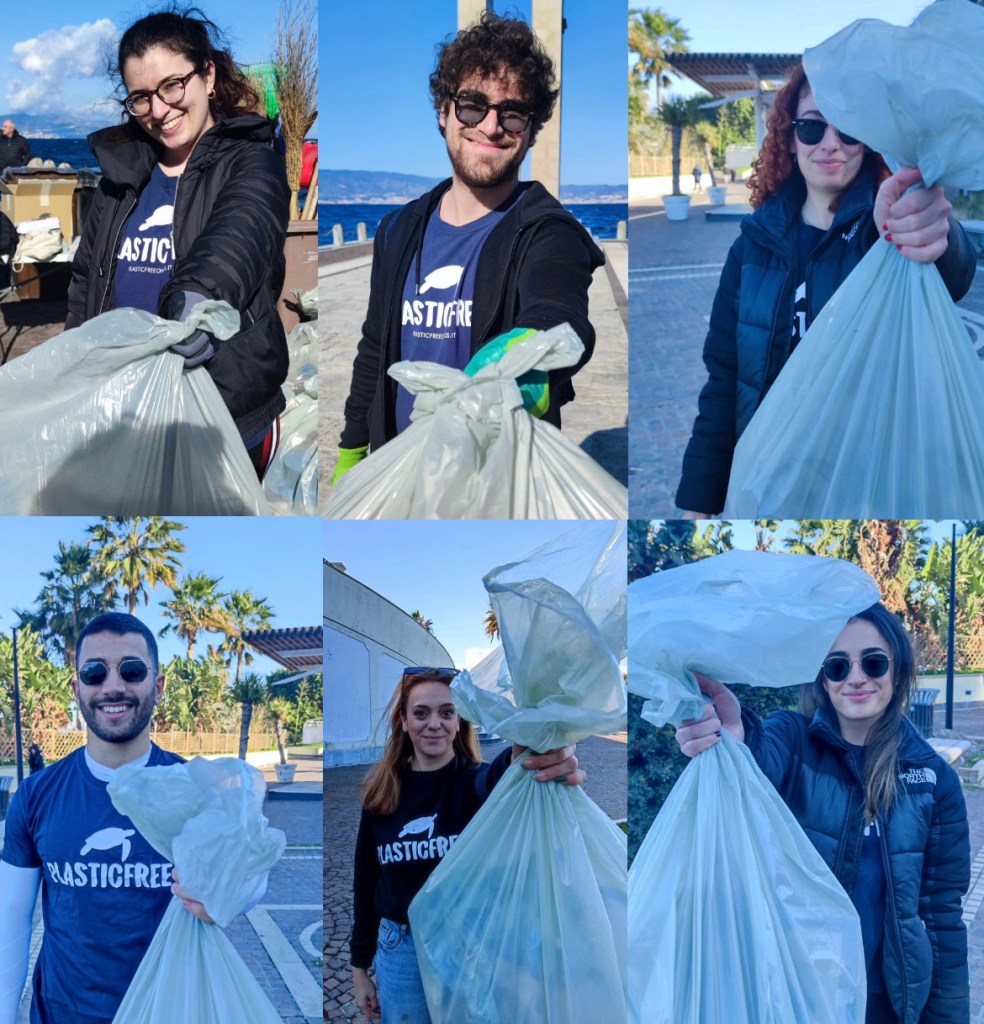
(534, 271)
(750, 332)
(15, 151)
(230, 222)
(925, 844)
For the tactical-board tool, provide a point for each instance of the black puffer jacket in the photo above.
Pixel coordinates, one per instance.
(750, 334)
(230, 221)
(534, 271)
(925, 844)
(15, 151)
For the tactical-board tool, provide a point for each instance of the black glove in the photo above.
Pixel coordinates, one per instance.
(199, 348)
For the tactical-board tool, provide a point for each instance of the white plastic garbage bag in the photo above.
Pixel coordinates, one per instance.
(206, 817)
(472, 451)
(878, 412)
(733, 913)
(525, 918)
(104, 420)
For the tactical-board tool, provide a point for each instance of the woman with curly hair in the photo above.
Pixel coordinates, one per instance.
(417, 799)
(822, 199)
(193, 204)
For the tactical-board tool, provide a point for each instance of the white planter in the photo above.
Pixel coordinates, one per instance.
(285, 772)
(718, 194)
(677, 207)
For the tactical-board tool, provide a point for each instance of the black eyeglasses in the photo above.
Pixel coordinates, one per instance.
(139, 103)
(472, 108)
(419, 670)
(838, 666)
(130, 670)
(810, 131)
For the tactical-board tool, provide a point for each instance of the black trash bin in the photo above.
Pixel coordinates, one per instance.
(921, 710)
(5, 781)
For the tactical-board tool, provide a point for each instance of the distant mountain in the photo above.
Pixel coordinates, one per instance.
(389, 187)
(36, 126)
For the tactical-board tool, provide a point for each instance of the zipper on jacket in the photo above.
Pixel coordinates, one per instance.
(895, 923)
(112, 255)
(478, 336)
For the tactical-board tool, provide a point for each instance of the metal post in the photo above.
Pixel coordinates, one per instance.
(951, 627)
(19, 746)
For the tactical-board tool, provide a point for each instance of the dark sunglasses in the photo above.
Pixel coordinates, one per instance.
(130, 670)
(472, 108)
(810, 131)
(419, 670)
(838, 666)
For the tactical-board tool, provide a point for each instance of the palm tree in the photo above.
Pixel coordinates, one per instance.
(137, 553)
(422, 620)
(491, 624)
(653, 36)
(243, 611)
(248, 691)
(194, 695)
(678, 114)
(195, 607)
(280, 710)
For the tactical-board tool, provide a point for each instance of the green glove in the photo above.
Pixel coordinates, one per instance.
(533, 386)
(347, 458)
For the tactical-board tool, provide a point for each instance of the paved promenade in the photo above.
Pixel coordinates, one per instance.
(596, 420)
(673, 274)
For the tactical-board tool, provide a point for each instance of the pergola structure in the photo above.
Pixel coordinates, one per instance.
(298, 649)
(734, 76)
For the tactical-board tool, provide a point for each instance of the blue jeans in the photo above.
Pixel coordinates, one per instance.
(398, 985)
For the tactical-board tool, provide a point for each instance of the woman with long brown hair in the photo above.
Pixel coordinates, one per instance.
(821, 200)
(883, 809)
(417, 799)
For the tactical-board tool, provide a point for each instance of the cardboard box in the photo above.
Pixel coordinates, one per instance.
(31, 197)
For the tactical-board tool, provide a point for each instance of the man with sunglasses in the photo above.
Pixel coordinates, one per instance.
(104, 888)
(482, 254)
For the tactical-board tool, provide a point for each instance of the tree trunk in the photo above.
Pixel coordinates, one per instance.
(278, 731)
(244, 728)
(677, 135)
(710, 161)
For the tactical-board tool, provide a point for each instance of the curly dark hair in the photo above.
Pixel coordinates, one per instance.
(187, 31)
(492, 46)
(775, 163)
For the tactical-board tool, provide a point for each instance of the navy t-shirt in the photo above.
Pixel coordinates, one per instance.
(145, 256)
(809, 238)
(104, 889)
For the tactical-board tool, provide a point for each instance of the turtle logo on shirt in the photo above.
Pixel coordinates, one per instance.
(107, 838)
(161, 217)
(443, 277)
(418, 825)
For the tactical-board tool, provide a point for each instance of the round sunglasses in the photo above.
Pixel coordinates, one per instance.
(471, 108)
(130, 670)
(810, 131)
(838, 666)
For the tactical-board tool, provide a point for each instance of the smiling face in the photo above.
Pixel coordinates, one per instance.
(175, 126)
(117, 713)
(829, 166)
(432, 723)
(860, 700)
(484, 155)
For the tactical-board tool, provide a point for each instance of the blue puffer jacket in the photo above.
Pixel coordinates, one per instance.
(750, 334)
(925, 845)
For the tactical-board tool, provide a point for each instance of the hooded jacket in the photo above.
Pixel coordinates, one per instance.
(925, 850)
(534, 271)
(230, 221)
(750, 334)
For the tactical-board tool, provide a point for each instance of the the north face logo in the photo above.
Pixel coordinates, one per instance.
(107, 838)
(917, 775)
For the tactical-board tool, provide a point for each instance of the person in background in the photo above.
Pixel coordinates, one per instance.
(15, 150)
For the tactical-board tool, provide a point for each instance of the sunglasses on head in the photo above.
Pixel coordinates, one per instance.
(130, 670)
(472, 108)
(810, 131)
(838, 666)
(419, 670)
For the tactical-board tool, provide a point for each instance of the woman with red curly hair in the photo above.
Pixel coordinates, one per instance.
(821, 200)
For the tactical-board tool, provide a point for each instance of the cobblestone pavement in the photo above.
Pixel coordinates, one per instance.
(596, 420)
(674, 269)
(25, 324)
(602, 757)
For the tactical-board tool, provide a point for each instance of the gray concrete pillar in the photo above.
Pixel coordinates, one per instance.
(337, 235)
(469, 11)
(361, 234)
(548, 23)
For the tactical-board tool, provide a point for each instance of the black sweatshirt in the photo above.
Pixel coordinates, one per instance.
(395, 853)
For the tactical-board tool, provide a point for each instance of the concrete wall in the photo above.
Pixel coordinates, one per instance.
(966, 687)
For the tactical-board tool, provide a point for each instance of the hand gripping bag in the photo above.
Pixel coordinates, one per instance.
(472, 451)
(734, 916)
(878, 412)
(104, 420)
(206, 818)
(524, 919)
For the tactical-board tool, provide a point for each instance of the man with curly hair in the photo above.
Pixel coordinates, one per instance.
(483, 253)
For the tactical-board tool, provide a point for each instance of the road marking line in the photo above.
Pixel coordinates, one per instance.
(305, 991)
(658, 268)
(975, 894)
(316, 954)
(673, 277)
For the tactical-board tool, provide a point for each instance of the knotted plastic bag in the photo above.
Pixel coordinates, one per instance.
(733, 913)
(877, 413)
(104, 420)
(472, 451)
(206, 817)
(525, 918)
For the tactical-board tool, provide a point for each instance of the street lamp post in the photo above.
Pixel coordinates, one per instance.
(19, 748)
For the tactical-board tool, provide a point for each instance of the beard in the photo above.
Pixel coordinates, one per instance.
(123, 732)
(475, 172)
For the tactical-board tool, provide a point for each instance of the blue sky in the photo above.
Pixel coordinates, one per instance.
(374, 96)
(743, 531)
(276, 558)
(53, 53)
(437, 568)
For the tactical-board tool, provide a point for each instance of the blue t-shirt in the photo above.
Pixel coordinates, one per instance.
(145, 253)
(437, 296)
(809, 238)
(104, 889)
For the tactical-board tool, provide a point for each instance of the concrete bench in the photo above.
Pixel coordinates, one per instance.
(975, 229)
